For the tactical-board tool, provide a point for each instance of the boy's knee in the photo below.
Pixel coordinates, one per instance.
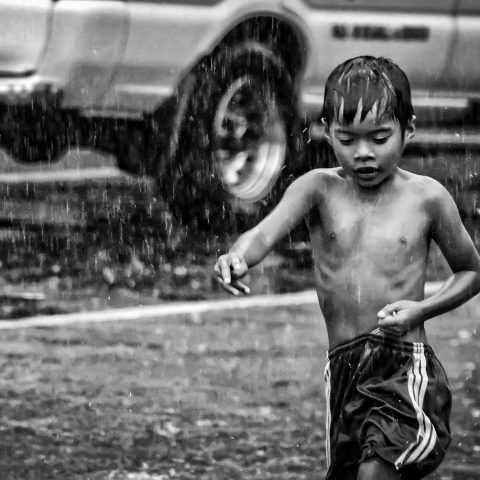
(376, 469)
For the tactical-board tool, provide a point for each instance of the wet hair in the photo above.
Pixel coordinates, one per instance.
(374, 81)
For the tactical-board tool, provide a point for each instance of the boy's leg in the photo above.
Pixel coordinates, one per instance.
(378, 470)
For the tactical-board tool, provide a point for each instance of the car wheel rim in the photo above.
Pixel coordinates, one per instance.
(250, 140)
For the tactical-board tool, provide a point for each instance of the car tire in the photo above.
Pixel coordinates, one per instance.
(230, 140)
(134, 146)
(33, 133)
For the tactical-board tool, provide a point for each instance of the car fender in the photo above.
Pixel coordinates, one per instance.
(87, 41)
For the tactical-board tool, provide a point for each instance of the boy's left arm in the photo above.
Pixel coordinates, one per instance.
(450, 235)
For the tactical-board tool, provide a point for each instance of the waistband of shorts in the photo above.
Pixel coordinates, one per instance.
(381, 339)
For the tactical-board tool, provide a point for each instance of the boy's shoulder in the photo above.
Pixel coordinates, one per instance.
(428, 192)
(317, 181)
(426, 186)
(320, 175)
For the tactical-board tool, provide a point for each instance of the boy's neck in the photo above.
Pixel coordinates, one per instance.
(372, 193)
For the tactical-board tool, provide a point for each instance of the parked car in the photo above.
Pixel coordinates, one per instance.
(211, 96)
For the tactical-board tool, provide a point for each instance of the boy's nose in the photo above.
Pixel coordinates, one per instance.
(363, 151)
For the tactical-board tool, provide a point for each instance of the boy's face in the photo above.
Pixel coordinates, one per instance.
(369, 150)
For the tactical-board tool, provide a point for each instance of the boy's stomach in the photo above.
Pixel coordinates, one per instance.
(350, 304)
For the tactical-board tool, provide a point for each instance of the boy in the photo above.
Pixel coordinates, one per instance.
(371, 225)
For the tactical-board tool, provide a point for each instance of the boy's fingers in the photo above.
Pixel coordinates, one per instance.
(224, 270)
(388, 310)
(383, 313)
(235, 288)
(236, 263)
(388, 321)
(229, 288)
(228, 266)
(242, 287)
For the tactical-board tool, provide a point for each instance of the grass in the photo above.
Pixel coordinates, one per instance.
(218, 396)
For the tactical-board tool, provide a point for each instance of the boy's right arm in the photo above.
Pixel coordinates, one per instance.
(255, 244)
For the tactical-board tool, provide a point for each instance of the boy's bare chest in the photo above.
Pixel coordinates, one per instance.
(382, 229)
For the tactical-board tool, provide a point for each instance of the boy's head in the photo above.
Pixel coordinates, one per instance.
(369, 118)
(377, 84)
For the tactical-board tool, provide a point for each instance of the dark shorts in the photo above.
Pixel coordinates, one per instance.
(387, 399)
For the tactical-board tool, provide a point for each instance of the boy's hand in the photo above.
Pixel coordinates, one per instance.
(400, 317)
(228, 269)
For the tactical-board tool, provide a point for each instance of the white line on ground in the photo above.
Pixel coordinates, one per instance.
(306, 297)
(67, 175)
(165, 310)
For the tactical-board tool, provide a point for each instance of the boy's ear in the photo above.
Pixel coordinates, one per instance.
(410, 129)
(326, 132)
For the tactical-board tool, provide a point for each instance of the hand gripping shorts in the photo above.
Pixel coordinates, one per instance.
(388, 399)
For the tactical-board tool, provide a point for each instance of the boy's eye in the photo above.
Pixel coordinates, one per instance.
(344, 139)
(380, 138)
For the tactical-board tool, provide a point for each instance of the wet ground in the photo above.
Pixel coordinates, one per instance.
(234, 395)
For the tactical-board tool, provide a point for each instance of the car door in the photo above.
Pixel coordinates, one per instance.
(24, 29)
(418, 34)
(164, 38)
(464, 65)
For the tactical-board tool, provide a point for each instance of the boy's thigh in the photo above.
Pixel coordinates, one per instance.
(377, 469)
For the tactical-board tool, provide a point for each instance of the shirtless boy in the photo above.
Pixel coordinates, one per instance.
(371, 225)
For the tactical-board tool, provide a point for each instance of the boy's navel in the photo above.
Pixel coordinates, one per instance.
(333, 236)
(403, 240)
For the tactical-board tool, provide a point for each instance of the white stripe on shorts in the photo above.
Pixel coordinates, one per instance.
(328, 414)
(426, 434)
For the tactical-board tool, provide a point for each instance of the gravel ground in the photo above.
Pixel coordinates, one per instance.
(235, 395)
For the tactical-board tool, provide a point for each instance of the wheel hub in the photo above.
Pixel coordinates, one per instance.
(250, 139)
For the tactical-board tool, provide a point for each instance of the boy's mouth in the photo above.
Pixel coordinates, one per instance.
(366, 171)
